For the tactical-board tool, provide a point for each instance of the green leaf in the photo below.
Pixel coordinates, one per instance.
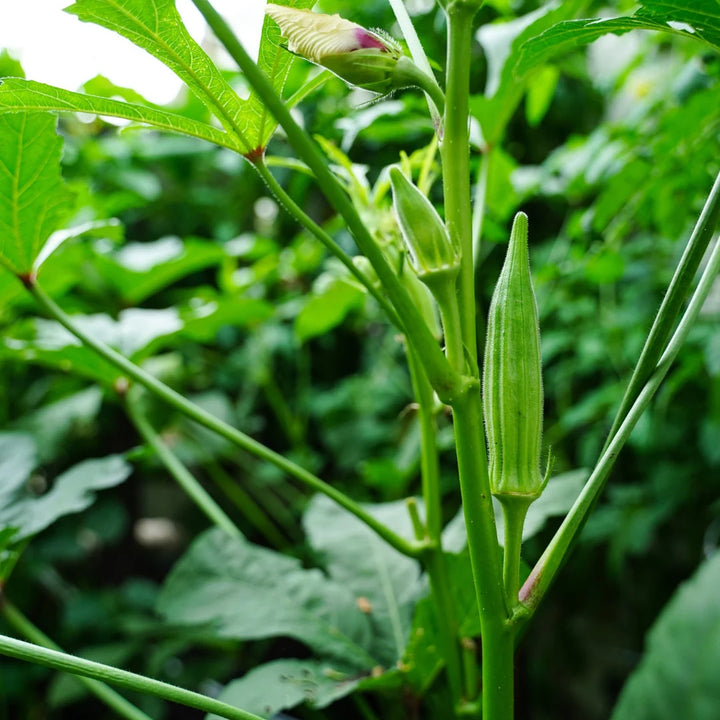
(71, 492)
(9, 66)
(540, 94)
(26, 95)
(156, 26)
(678, 675)
(245, 592)
(357, 559)
(139, 270)
(283, 684)
(503, 43)
(33, 197)
(327, 309)
(701, 16)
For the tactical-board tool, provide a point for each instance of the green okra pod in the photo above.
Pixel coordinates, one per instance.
(512, 379)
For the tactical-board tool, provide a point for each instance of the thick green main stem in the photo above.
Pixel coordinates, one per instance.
(445, 380)
(497, 633)
(110, 697)
(122, 678)
(456, 165)
(235, 436)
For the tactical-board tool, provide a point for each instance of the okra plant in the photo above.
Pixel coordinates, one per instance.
(406, 611)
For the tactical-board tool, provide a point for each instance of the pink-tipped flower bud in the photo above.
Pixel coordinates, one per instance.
(367, 59)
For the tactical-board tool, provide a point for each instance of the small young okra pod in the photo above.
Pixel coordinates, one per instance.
(512, 378)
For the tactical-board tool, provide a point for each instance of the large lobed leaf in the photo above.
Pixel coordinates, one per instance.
(33, 197)
(156, 26)
(246, 592)
(678, 675)
(516, 49)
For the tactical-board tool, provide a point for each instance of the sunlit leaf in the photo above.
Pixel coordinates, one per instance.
(156, 26)
(503, 43)
(33, 197)
(27, 95)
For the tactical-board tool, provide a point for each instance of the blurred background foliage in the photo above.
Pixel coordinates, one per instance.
(204, 279)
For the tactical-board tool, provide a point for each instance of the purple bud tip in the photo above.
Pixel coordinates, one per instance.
(368, 40)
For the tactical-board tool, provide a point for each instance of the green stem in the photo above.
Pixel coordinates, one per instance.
(547, 567)
(122, 678)
(291, 425)
(195, 491)
(497, 635)
(418, 55)
(363, 707)
(446, 618)
(233, 435)
(429, 465)
(259, 504)
(470, 668)
(456, 166)
(676, 294)
(415, 520)
(514, 512)
(444, 379)
(112, 699)
(416, 77)
(312, 227)
(446, 296)
(434, 559)
(246, 504)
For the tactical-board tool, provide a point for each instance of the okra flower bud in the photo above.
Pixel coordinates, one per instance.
(361, 57)
(433, 254)
(512, 381)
